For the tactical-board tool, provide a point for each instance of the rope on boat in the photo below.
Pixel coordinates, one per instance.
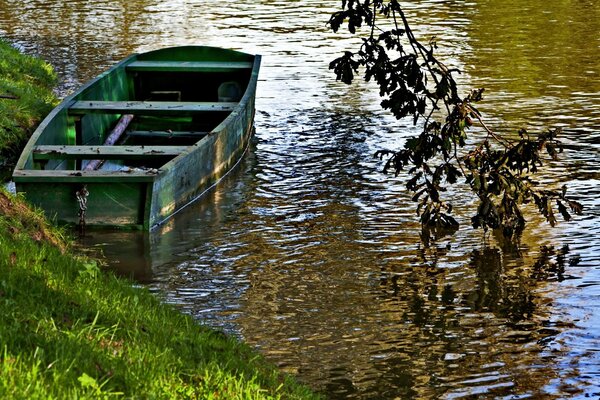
(82, 195)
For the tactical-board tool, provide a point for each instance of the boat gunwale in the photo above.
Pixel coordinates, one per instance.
(94, 176)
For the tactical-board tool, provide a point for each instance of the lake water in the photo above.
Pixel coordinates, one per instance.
(310, 254)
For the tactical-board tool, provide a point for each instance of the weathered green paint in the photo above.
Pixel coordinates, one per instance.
(109, 203)
(215, 135)
(105, 152)
(182, 66)
(148, 107)
(65, 175)
(167, 134)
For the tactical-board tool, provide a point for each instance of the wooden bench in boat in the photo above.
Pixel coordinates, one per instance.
(68, 152)
(168, 134)
(178, 108)
(188, 66)
(76, 176)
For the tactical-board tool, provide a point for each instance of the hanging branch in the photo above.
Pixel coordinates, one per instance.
(495, 168)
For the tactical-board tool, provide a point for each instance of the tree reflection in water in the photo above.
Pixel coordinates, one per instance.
(476, 335)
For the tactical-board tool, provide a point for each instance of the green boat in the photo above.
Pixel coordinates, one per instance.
(143, 139)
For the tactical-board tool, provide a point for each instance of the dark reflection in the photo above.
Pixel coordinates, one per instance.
(125, 253)
(551, 263)
(511, 300)
(442, 327)
(143, 256)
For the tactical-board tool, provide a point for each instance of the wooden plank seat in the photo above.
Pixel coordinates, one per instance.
(178, 108)
(188, 66)
(68, 152)
(94, 176)
(167, 134)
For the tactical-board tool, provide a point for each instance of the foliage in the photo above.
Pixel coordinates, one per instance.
(68, 330)
(26, 96)
(415, 83)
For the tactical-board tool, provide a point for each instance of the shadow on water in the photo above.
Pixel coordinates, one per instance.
(140, 255)
(474, 336)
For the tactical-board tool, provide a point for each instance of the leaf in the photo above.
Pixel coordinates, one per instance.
(421, 204)
(344, 67)
(412, 183)
(433, 192)
(411, 143)
(551, 150)
(477, 222)
(87, 381)
(386, 168)
(337, 19)
(452, 174)
(442, 88)
(449, 221)
(576, 207)
(418, 194)
(563, 210)
(476, 182)
(421, 103)
(550, 214)
(426, 216)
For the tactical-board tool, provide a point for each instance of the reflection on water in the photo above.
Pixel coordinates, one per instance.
(312, 256)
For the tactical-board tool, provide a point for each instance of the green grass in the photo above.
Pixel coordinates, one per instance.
(69, 330)
(28, 84)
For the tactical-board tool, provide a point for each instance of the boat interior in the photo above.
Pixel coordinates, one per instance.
(141, 116)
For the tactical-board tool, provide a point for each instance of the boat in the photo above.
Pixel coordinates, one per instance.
(143, 139)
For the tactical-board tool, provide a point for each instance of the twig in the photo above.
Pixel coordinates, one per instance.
(8, 96)
(418, 49)
(500, 139)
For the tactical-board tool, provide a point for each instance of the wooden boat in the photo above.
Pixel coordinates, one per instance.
(143, 139)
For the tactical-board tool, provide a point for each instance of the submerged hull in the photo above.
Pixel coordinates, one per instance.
(191, 111)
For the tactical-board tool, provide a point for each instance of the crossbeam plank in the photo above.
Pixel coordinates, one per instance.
(71, 176)
(148, 107)
(168, 134)
(188, 66)
(104, 152)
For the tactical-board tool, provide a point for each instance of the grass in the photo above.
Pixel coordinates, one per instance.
(68, 330)
(26, 96)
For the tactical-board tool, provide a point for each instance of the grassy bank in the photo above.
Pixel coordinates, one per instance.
(68, 330)
(26, 96)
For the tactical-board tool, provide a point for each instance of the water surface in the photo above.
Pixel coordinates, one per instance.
(311, 255)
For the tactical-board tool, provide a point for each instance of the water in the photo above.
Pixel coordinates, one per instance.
(311, 255)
